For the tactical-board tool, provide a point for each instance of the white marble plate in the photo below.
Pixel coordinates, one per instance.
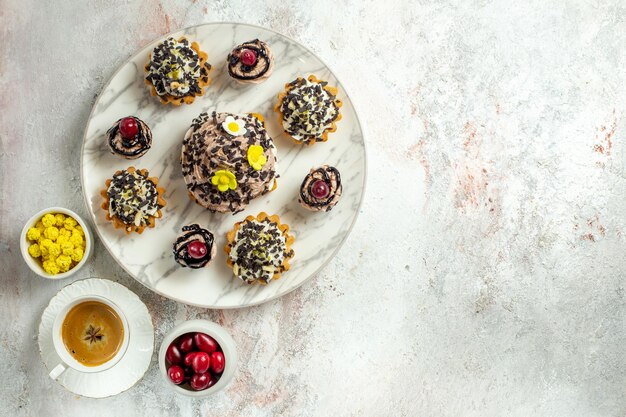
(133, 365)
(148, 257)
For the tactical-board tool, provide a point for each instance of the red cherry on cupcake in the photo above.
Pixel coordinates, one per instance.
(173, 355)
(217, 362)
(201, 362)
(205, 343)
(196, 249)
(247, 57)
(320, 189)
(176, 374)
(200, 381)
(128, 127)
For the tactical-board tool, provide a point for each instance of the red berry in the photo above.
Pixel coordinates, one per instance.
(247, 57)
(205, 343)
(218, 362)
(200, 381)
(196, 249)
(189, 358)
(128, 127)
(186, 343)
(201, 362)
(173, 355)
(176, 374)
(320, 189)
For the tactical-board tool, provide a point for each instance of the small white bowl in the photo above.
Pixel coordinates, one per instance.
(220, 335)
(33, 263)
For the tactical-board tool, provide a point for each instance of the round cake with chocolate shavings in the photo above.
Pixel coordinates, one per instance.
(129, 137)
(132, 200)
(250, 62)
(259, 249)
(308, 110)
(194, 247)
(320, 189)
(177, 71)
(227, 160)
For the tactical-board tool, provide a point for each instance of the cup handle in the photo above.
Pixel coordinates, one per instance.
(57, 371)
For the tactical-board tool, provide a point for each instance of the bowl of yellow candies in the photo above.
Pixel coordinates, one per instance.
(55, 243)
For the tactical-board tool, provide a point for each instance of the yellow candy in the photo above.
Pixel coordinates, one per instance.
(44, 244)
(69, 223)
(77, 254)
(33, 234)
(48, 220)
(59, 219)
(54, 250)
(51, 233)
(78, 230)
(67, 248)
(76, 239)
(64, 262)
(34, 250)
(62, 238)
(51, 267)
(65, 232)
(40, 226)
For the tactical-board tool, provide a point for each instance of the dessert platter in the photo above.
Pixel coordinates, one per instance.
(223, 165)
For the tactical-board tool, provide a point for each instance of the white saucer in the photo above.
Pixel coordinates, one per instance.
(129, 370)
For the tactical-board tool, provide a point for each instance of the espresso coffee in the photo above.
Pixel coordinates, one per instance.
(92, 333)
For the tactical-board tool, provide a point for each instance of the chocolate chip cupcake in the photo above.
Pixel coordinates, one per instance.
(251, 62)
(129, 137)
(177, 71)
(308, 110)
(227, 160)
(259, 249)
(321, 189)
(195, 247)
(132, 200)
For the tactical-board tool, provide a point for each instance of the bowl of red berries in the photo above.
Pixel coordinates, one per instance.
(198, 358)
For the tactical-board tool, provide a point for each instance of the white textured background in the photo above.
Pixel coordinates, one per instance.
(485, 274)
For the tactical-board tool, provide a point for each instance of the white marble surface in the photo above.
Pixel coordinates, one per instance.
(485, 274)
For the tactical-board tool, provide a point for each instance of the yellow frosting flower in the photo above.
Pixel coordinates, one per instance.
(62, 238)
(51, 233)
(51, 267)
(256, 157)
(79, 230)
(64, 262)
(224, 180)
(64, 232)
(33, 234)
(48, 220)
(59, 219)
(40, 226)
(44, 244)
(54, 250)
(77, 254)
(34, 250)
(69, 223)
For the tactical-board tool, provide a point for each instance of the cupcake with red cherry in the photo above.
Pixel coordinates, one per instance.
(195, 247)
(320, 189)
(250, 62)
(129, 137)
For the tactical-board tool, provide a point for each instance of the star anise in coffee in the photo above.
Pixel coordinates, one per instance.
(93, 334)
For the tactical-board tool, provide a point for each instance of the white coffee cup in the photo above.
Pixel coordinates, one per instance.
(67, 360)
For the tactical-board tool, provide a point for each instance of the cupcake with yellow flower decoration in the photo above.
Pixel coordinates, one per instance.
(228, 160)
(308, 110)
(259, 249)
(132, 200)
